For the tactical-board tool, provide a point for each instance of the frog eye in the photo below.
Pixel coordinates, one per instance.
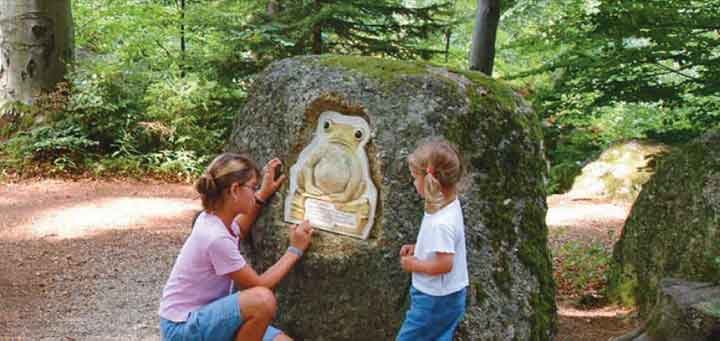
(327, 125)
(358, 134)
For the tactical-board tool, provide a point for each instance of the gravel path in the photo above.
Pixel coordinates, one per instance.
(86, 260)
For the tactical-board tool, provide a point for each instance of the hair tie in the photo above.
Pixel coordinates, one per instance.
(430, 171)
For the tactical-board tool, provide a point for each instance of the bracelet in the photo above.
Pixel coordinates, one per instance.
(296, 251)
(259, 201)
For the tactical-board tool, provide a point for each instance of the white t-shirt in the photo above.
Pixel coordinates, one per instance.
(442, 231)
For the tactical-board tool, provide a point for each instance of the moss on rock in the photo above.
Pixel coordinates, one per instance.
(352, 289)
(673, 228)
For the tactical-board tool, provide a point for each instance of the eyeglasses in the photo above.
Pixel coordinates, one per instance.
(255, 188)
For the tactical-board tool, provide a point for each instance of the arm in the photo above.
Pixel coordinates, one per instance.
(441, 242)
(246, 221)
(441, 264)
(246, 277)
(268, 187)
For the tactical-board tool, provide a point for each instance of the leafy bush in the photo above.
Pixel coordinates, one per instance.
(191, 113)
(124, 120)
(581, 267)
(569, 151)
(62, 146)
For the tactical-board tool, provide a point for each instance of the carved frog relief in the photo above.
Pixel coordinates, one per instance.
(330, 184)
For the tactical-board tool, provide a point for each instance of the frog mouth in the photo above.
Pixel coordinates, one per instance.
(341, 142)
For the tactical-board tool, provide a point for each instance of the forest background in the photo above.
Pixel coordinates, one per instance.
(156, 84)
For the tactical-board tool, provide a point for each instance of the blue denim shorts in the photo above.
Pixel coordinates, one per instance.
(432, 317)
(219, 320)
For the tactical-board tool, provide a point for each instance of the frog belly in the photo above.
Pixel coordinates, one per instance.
(332, 173)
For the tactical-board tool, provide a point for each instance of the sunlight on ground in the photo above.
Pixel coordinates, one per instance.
(610, 311)
(105, 214)
(570, 215)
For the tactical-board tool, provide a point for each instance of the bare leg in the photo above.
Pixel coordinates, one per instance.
(258, 307)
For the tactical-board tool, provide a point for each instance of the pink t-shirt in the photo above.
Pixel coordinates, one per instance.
(200, 273)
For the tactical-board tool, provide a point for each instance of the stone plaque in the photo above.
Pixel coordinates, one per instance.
(330, 184)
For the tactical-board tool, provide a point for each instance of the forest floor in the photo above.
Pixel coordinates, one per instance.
(584, 232)
(86, 260)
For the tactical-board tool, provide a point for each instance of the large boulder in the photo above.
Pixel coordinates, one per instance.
(684, 311)
(352, 289)
(674, 227)
(619, 173)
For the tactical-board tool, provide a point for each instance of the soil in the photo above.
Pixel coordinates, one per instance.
(596, 222)
(87, 260)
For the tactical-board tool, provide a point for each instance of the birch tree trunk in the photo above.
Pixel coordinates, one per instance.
(482, 52)
(36, 43)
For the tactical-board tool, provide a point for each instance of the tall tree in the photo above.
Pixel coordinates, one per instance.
(368, 27)
(36, 43)
(661, 54)
(482, 51)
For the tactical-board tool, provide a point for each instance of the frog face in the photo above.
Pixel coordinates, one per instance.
(345, 131)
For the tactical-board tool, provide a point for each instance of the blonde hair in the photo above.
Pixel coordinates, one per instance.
(440, 163)
(225, 170)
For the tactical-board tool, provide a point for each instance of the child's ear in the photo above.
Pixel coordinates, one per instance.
(234, 190)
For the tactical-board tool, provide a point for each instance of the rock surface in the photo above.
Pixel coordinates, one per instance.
(618, 174)
(351, 289)
(684, 311)
(674, 227)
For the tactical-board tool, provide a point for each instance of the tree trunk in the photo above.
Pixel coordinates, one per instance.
(448, 34)
(317, 33)
(482, 52)
(183, 46)
(36, 43)
(273, 7)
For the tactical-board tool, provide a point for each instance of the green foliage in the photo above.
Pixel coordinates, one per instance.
(581, 266)
(378, 27)
(613, 70)
(597, 71)
(61, 146)
(191, 113)
(145, 105)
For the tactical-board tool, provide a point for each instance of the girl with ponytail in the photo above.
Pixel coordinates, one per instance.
(437, 260)
(197, 303)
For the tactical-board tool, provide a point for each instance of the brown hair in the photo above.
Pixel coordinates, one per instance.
(225, 170)
(441, 164)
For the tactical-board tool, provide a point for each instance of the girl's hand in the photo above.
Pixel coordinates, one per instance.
(269, 184)
(407, 250)
(409, 263)
(300, 235)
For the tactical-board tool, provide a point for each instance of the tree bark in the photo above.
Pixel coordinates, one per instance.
(482, 52)
(448, 34)
(183, 46)
(36, 45)
(317, 33)
(273, 7)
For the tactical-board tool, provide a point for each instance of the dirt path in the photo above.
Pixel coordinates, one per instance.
(86, 260)
(591, 222)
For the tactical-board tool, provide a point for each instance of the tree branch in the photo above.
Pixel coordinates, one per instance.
(677, 72)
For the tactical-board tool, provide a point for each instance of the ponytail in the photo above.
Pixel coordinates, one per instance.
(434, 198)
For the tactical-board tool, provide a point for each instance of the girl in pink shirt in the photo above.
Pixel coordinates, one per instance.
(197, 303)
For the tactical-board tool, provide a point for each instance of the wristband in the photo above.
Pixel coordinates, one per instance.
(296, 251)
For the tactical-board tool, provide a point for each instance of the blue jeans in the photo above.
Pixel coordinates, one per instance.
(219, 320)
(432, 318)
